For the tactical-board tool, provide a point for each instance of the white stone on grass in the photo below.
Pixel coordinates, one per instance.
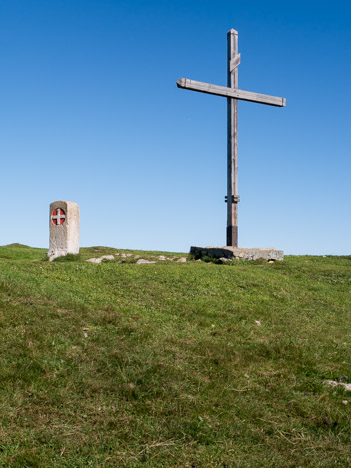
(100, 259)
(334, 383)
(107, 257)
(142, 261)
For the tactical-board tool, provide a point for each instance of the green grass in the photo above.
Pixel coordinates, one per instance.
(118, 364)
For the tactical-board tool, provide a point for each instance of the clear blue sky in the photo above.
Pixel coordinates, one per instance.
(90, 113)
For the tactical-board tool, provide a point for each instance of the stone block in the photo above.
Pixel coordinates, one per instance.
(64, 229)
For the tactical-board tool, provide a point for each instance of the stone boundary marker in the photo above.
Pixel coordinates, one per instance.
(64, 229)
(231, 253)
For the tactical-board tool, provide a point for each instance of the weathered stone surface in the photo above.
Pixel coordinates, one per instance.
(141, 260)
(232, 253)
(100, 259)
(181, 260)
(64, 229)
(334, 383)
(94, 260)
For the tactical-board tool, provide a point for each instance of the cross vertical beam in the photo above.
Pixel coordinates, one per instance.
(232, 140)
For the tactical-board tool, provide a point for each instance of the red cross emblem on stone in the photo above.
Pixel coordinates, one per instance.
(58, 216)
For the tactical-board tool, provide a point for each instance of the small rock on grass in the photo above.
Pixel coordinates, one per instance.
(181, 260)
(335, 383)
(107, 257)
(100, 259)
(141, 260)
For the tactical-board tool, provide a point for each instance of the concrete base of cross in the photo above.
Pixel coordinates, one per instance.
(232, 253)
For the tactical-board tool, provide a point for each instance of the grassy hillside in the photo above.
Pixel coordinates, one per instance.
(173, 364)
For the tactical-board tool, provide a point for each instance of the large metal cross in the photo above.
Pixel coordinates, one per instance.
(232, 93)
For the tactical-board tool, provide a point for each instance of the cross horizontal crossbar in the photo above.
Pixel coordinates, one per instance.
(230, 92)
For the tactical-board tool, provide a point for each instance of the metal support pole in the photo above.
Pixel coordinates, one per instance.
(232, 141)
